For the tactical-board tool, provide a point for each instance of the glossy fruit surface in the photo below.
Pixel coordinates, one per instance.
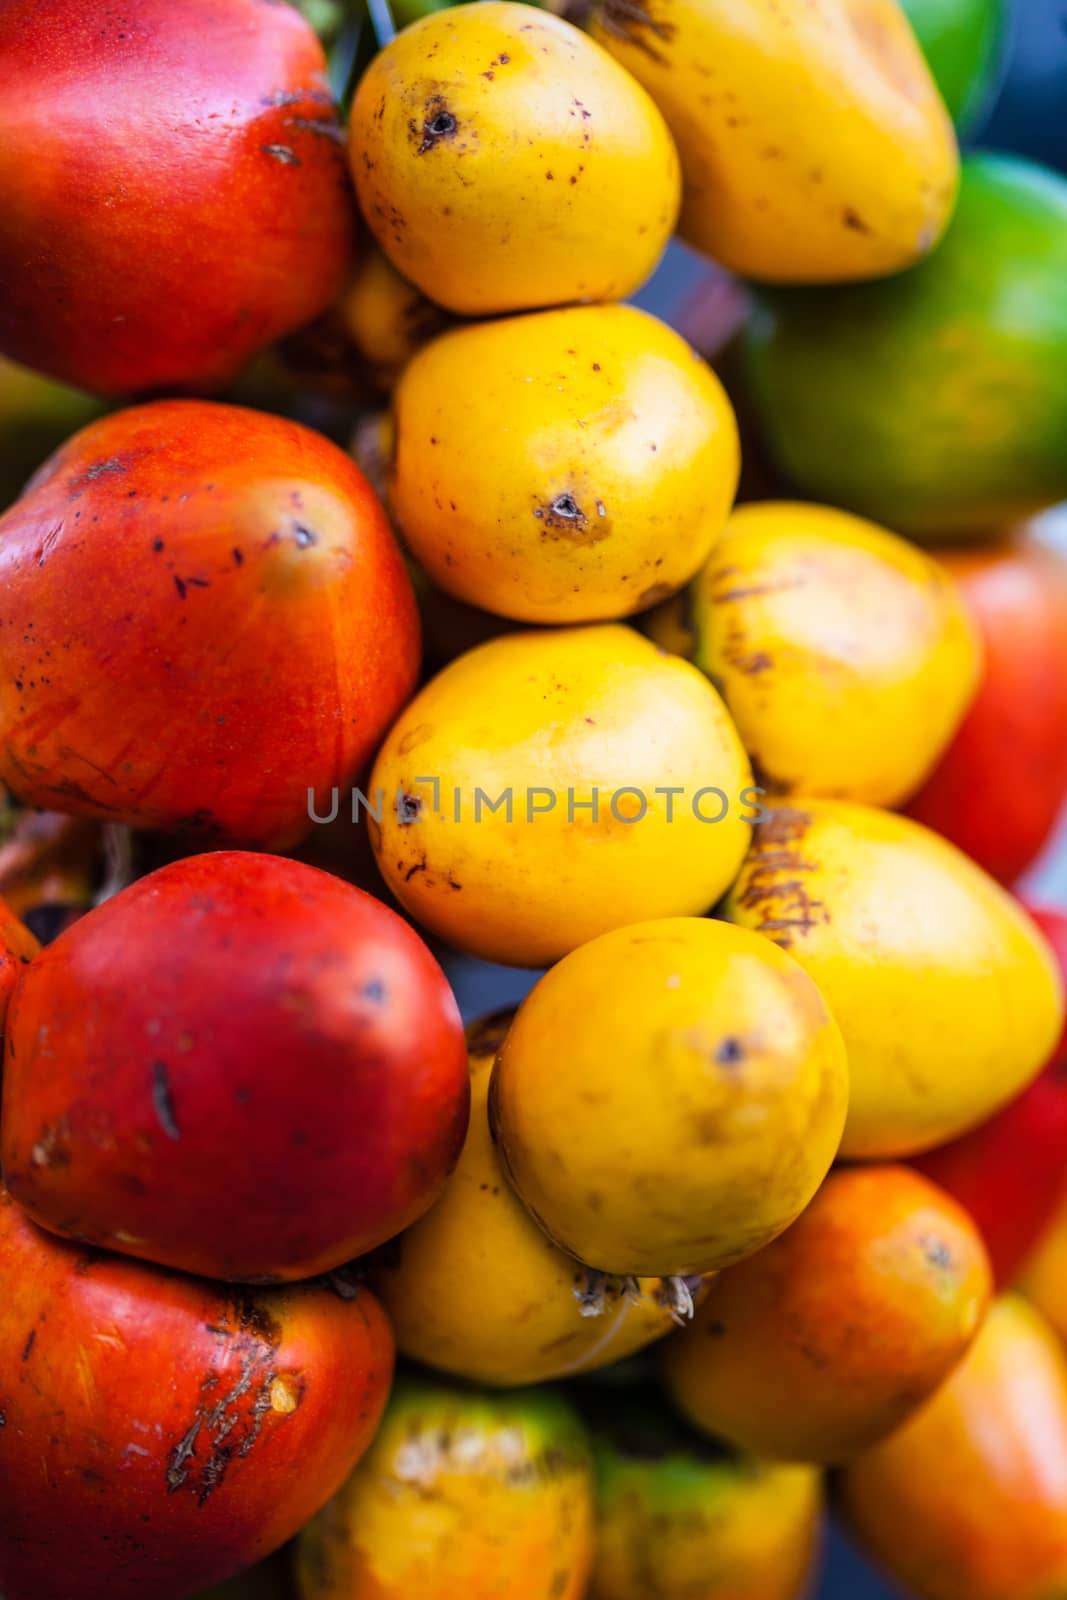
(827, 1340)
(175, 185)
(844, 655)
(605, 491)
(504, 162)
(475, 1288)
(999, 788)
(629, 793)
(814, 145)
(463, 1493)
(694, 1122)
(930, 402)
(948, 997)
(978, 1478)
(205, 617)
(162, 1432)
(239, 1066)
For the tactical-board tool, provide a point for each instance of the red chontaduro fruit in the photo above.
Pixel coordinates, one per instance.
(176, 194)
(205, 618)
(240, 1067)
(159, 1433)
(1001, 785)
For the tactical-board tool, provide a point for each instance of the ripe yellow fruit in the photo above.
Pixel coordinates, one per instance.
(947, 995)
(505, 161)
(548, 786)
(844, 654)
(475, 1287)
(668, 1099)
(815, 147)
(587, 473)
(464, 1495)
(386, 317)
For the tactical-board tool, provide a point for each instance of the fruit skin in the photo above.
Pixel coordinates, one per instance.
(948, 996)
(200, 1070)
(1001, 784)
(174, 1430)
(553, 717)
(504, 161)
(684, 1520)
(928, 402)
(968, 1501)
(1011, 1172)
(461, 1492)
(833, 1335)
(476, 1289)
(175, 184)
(814, 144)
(693, 1124)
(964, 43)
(613, 477)
(17, 948)
(845, 656)
(387, 318)
(205, 616)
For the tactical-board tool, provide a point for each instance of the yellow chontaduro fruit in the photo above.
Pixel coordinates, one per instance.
(668, 1099)
(548, 786)
(948, 996)
(464, 1495)
(505, 161)
(386, 317)
(587, 473)
(815, 147)
(844, 654)
(476, 1288)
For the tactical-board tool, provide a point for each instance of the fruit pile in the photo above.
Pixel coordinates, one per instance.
(390, 597)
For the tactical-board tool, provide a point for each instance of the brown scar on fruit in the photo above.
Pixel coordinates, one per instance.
(563, 518)
(438, 123)
(234, 1423)
(775, 888)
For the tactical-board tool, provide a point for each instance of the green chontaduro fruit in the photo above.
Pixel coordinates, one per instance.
(964, 43)
(36, 416)
(683, 1518)
(464, 1491)
(935, 402)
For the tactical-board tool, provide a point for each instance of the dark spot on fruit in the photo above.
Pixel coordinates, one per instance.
(304, 536)
(438, 123)
(157, 544)
(730, 1052)
(163, 1100)
(28, 1346)
(409, 809)
(853, 220)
